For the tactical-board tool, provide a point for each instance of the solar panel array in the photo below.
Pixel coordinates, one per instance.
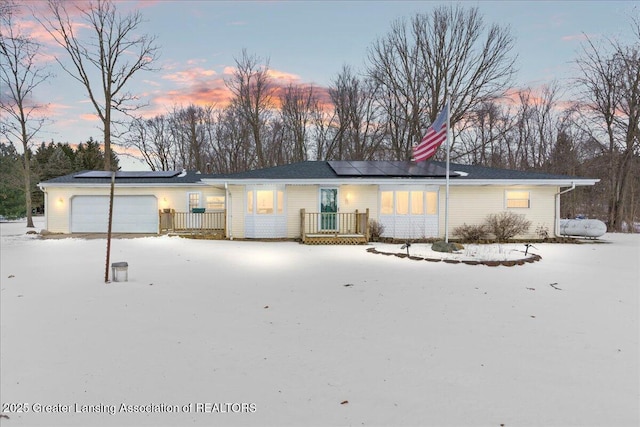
(129, 174)
(388, 168)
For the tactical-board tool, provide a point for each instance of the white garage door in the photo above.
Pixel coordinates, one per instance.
(131, 214)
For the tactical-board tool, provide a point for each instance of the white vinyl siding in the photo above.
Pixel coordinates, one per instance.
(471, 205)
(299, 197)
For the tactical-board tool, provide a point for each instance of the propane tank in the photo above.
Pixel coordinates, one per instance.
(591, 228)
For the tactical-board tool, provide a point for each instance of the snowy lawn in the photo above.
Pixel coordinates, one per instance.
(282, 334)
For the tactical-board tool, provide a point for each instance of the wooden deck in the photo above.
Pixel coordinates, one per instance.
(210, 225)
(324, 228)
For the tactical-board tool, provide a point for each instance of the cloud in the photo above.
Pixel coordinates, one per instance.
(575, 37)
(203, 86)
(89, 117)
(195, 85)
(283, 76)
(190, 76)
(151, 82)
(218, 95)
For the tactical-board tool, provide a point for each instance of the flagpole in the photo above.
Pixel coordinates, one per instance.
(446, 200)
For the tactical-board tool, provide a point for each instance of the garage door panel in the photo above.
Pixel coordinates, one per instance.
(131, 214)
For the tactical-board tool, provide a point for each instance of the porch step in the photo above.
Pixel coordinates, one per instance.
(332, 239)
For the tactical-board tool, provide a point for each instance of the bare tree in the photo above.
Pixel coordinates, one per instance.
(610, 93)
(115, 50)
(151, 138)
(485, 139)
(538, 121)
(232, 151)
(20, 75)
(447, 48)
(253, 99)
(358, 134)
(298, 107)
(188, 129)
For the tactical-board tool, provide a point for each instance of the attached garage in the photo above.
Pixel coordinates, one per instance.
(131, 214)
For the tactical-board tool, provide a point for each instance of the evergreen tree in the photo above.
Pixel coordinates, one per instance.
(89, 156)
(12, 198)
(59, 163)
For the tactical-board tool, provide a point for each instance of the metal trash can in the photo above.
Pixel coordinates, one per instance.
(120, 271)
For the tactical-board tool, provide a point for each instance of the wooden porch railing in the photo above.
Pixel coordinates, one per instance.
(193, 222)
(337, 225)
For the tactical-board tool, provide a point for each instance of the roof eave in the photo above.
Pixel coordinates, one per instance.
(122, 184)
(413, 181)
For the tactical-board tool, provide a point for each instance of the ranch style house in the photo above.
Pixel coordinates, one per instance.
(312, 201)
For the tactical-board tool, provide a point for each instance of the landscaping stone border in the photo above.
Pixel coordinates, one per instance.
(509, 263)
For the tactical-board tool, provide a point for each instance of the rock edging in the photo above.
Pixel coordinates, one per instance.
(507, 263)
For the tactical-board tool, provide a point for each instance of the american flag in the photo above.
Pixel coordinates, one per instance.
(436, 135)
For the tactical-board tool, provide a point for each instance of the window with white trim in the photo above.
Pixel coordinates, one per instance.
(280, 201)
(250, 202)
(265, 202)
(402, 202)
(417, 202)
(432, 203)
(405, 202)
(194, 200)
(215, 203)
(386, 202)
(518, 199)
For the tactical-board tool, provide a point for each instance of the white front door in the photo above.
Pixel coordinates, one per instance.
(328, 209)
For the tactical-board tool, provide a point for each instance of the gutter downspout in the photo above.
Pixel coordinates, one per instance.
(46, 207)
(227, 200)
(557, 225)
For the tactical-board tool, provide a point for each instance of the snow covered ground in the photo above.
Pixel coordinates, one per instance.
(282, 334)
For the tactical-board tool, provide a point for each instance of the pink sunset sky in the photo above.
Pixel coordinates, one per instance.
(306, 43)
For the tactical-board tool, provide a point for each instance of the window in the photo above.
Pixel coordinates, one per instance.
(417, 203)
(518, 199)
(408, 202)
(386, 203)
(264, 202)
(402, 202)
(215, 203)
(280, 204)
(432, 203)
(194, 201)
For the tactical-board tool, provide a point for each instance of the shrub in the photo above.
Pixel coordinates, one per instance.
(375, 230)
(506, 225)
(471, 233)
(542, 232)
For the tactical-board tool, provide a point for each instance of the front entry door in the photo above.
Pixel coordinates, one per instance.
(329, 208)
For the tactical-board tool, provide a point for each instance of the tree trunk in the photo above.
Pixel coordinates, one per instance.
(27, 174)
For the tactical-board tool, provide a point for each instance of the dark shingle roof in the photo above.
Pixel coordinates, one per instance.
(130, 178)
(322, 170)
(300, 170)
(316, 170)
(483, 172)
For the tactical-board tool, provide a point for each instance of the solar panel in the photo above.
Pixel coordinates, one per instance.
(128, 174)
(345, 170)
(388, 168)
